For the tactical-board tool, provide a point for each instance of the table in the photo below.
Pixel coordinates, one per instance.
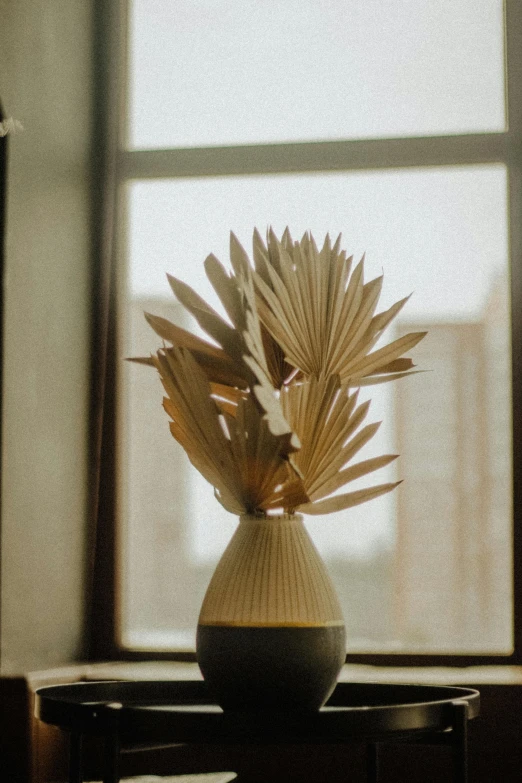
(154, 714)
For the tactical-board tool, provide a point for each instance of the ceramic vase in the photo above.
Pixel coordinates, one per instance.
(271, 633)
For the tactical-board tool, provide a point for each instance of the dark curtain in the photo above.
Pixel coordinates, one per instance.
(100, 578)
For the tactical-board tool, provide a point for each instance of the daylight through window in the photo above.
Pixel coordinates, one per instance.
(409, 163)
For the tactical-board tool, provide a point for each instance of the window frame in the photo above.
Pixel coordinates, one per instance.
(328, 156)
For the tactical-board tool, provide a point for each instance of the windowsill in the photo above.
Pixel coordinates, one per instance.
(167, 670)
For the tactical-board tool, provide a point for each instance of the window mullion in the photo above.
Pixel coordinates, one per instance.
(352, 155)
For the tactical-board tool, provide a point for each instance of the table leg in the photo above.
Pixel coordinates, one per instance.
(460, 741)
(372, 762)
(112, 759)
(112, 742)
(75, 758)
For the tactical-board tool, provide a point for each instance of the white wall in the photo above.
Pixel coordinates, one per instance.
(45, 82)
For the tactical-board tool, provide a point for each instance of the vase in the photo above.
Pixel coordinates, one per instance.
(271, 633)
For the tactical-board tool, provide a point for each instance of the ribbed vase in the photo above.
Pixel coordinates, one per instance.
(271, 632)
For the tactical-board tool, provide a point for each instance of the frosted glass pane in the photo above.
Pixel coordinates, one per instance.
(210, 72)
(439, 233)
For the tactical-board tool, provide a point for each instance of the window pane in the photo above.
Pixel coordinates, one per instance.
(427, 568)
(207, 72)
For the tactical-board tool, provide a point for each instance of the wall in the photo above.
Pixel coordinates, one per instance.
(45, 82)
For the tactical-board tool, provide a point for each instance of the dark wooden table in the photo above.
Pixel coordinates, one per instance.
(134, 715)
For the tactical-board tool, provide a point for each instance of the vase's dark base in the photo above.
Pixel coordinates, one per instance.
(283, 668)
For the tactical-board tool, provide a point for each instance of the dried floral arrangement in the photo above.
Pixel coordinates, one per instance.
(268, 412)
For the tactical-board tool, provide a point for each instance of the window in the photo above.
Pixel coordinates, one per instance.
(388, 125)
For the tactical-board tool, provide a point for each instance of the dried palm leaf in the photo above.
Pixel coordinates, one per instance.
(322, 317)
(210, 321)
(348, 500)
(218, 366)
(281, 371)
(327, 420)
(239, 361)
(265, 411)
(233, 449)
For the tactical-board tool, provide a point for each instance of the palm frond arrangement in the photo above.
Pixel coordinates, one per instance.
(268, 411)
